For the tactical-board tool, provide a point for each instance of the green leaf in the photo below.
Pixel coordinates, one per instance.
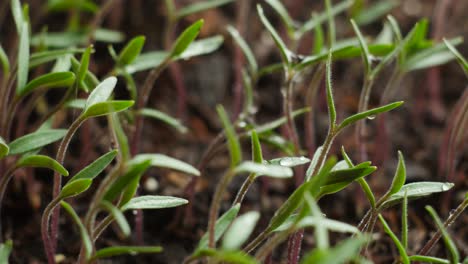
(275, 171)
(5, 250)
(118, 216)
(50, 80)
(74, 188)
(90, 80)
(201, 47)
(68, 5)
(283, 13)
(102, 92)
(233, 141)
(23, 58)
(245, 49)
(401, 249)
(256, 147)
(105, 108)
(366, 56)
(4, 149)
(369, 113)
(125, 250)
(312, 221)
(153, 202)
(222, 256)
(163, 161)
(200, 6)
(4, 61)
(429, 57)
(35, 140)
(42, 57)
(122, 140)
(314, 163)
(96, 167)
(461, 60)
(289, 161)
(323, 16)
(400, 175)
(342, 253)
(41, 161)
(331, 24)
(88, 245)
(221, 226)
(338, 180)
(404, 222)
(428, 259)
(280, 121)
(375, 11)
(133, 173)
(131, 51)
(169, 120)
(147, 61)
(449, 244)
(17, 12)
(84, 64)
(240, 230)
(285, 53)
(330, 100)
(187, 36)
(417, 190)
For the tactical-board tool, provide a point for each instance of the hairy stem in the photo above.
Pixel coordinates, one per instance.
(244, 188)
(46, 238)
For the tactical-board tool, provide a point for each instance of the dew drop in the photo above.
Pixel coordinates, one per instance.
(242, 124)
(134, 212)
(371, 117)
(286, 162)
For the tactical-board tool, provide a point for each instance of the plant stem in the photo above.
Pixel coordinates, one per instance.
(268, 247)
(450, 220)
(3, 184)
(244, 188)
(216, 204)
(46, 238)
(62, 150)
(258, 239)
(361, 125)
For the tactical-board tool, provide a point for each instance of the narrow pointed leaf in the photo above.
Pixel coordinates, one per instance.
(400, 175)
(171, 121)
(401, 249)
(312, 221)
(226, 256)
(17, 12)
(89, 82)
(283, 13)
(163, 161)
(428, 259)
(42, 57)
(343, 252)
(118, 217)
(330, 100)
(200, 6)
(153, 202)
(96, 167)
(51, 80)
(289, 161)
(285, 53)
(35, 140)
(245, 49)
(23, 58)
(131, 51)
(342, 181)
(4, 149)
(461, 60)
(359, 116)
(417, 190)
(449, 244)
(280, 121)
(125, 250)
(275, 171)
(133, 174)
(102, 92)
(240, 230)
(323, 16)
(350, 174)
(314, 162)
(187, 36)
(366, 56)
(84, 64)
(375, 11)
(146, 61)
(88, 245)
(233, 141)
(108, 107)
(221, 226)
(41, 161)
(201, 47)
(256, 147)
(75, 187)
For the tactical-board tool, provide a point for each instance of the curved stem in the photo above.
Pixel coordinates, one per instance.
(361, 125)
(3, 185)
(58, 179)
(46, 238)
(256, 242)
(216, 204)
(244, 188)
(266, 249)
(450, 220)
